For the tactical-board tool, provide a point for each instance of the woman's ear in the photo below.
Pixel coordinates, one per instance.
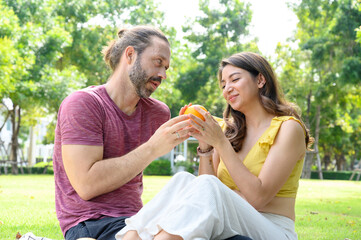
(261, 80)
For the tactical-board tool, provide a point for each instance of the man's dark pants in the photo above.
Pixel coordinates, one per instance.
(106, 228)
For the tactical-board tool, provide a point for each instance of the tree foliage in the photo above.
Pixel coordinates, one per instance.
(52, 47)
(326, 70)
(49, 48)
(220, 31)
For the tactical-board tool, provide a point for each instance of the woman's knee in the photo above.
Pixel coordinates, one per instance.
(210, 183)
(183, 177)
(208, 180)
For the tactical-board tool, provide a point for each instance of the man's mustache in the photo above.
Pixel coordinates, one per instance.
(158, 79)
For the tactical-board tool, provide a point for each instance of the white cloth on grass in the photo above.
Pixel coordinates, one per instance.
(31, 236)
(203, 208)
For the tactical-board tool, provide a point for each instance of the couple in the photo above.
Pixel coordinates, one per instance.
(250, 162)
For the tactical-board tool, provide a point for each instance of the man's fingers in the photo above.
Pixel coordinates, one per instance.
(176, 120)
(179, 126)
(185, 131)
(182, 139)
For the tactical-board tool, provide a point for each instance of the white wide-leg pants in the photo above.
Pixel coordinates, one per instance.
(203, 208)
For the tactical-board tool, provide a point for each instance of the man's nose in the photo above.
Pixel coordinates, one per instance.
(162, 73)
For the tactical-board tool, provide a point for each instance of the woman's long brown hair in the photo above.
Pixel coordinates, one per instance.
(270, 95)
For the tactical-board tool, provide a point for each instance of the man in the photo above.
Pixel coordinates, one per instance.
(106, 135)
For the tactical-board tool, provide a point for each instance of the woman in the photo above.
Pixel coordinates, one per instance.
(257, 158)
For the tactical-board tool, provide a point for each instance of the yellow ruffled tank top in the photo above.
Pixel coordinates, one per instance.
(257, 155)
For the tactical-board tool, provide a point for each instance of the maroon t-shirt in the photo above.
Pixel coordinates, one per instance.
(90, 117)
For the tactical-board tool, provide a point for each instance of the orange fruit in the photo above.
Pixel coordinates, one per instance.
(192, 110)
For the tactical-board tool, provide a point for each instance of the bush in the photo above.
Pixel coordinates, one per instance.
(30, 170)
(43, 164)
(2, 169)
(339, 175)
(159, 167)
(38, 168)
(188, 166)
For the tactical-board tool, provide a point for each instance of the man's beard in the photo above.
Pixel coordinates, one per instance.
(139, 78)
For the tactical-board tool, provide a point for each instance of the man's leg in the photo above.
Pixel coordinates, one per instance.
(104, 228)
(78, 231)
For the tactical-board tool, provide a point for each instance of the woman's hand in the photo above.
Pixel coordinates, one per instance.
(207, 132)
(202, 144)
(183, 109)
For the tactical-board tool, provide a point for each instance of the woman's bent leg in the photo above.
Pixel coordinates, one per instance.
(210, 210)
(201, 208)
(144, 222)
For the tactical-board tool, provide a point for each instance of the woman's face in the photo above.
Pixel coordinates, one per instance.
(239, 88)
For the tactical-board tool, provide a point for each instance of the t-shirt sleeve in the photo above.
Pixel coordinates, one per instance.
(80, 118)
(166, 113)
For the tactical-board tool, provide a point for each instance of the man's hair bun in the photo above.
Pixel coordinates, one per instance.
(121, 32)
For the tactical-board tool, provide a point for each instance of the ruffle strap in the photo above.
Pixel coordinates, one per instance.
(267, 140)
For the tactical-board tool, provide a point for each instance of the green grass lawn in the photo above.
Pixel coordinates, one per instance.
(329, 210)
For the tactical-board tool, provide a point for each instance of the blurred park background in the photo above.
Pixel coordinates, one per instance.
(50, 48)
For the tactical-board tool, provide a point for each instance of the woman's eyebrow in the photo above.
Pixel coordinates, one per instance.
(231, 75)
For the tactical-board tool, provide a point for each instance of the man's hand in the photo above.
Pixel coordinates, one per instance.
(170, 134)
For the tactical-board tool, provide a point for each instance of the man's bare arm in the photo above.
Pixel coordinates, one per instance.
(91, 175)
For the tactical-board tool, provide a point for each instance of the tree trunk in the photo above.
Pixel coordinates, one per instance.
(308, 113)
(327, 160)
(319, 168)
(15, 120)
(337, 162)
(340, 162)
(6, 118)
(353, 160)
(31, 146)
(317, 137)
(306, 172)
